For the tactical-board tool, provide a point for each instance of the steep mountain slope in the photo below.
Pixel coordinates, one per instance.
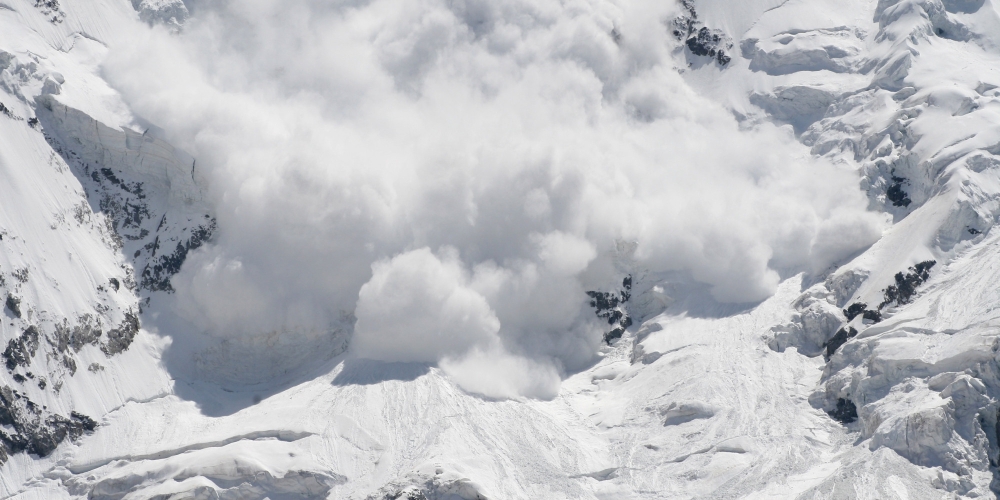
(921, 131)
(71, 308)
(874, 378)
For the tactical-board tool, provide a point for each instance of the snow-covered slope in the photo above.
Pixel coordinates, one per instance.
(876, 377)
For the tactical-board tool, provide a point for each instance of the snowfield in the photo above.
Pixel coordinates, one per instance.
(843, 352)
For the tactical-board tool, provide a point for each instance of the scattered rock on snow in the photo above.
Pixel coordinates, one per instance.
(701, 41)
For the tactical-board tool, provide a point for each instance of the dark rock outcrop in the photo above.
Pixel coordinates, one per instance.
(87, 331)
(895, 193)
(156, 276)
(839, 339)
(28, 427)
(854, 310)
(700, 40)
(845, 412)
(711, 43)
(685, 24)
(906, 284)
(136, 222)
(51, 10)
(21, 349)
(873, 316)
(120, 337)
(900, 293)
(861, 309)
(13, 304)
(610, 306)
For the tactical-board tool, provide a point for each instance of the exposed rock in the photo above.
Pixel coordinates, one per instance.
(70, 364)
(873, 316)
(27, 427)
(13, 304)
(21, 349)
(845, 412)
(156, 277)
(817, 316)
(712, 43)
(87, 331)
(172, 13)
(609, 305)
(120, 337)
(51, 10)
(861, 309)
(895, 193)
(839, 339)
(854, 310)
(127, 174)
(701, 41)
(685, 24)
(906, 284)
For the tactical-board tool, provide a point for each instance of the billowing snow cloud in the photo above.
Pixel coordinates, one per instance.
(418, 308)
(456, 174)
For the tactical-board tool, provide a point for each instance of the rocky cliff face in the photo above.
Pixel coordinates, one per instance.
(136, 200)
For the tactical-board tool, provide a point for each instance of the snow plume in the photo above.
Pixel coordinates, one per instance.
(457, 173)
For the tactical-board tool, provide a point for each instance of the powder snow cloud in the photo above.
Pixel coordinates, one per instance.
(455, 174)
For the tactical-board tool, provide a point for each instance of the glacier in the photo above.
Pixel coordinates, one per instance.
(862, 370)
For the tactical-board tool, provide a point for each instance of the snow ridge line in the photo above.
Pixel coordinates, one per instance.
(287, 436)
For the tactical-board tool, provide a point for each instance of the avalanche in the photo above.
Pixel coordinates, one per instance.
(834, 361)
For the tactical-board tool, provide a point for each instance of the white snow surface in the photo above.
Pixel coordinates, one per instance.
(698, 399)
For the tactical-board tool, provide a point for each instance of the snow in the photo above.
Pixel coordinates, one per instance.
(699, 399)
